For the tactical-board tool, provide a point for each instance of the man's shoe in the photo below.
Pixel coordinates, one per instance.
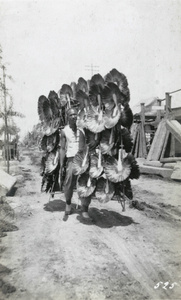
(67, 213)
(86, 216)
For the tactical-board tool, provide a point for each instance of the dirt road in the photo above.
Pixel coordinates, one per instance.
(120, 256)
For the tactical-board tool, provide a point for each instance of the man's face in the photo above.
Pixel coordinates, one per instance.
(72, 118)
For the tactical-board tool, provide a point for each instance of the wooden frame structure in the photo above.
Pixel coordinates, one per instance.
(165, 125)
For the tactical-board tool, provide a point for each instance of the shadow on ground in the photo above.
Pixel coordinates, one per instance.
(102, 218)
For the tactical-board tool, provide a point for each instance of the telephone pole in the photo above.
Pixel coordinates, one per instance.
(92, 69)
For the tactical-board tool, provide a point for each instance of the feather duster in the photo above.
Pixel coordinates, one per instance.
(92, 139)
(44, 110)
(107, 140)
(48, 143)
(95, 120)
(81, 161)
(82, 85)
(116, 170)
(124, 139)
(124, 187)
(96, 167)
(104, 190)
(85, 185)
(52, 161)
(126, 118)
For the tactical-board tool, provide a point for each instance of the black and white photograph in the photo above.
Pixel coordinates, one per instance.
(90, 149)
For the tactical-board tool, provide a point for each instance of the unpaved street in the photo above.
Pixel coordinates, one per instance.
(120, 256)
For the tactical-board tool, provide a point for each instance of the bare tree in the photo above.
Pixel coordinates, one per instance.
(6, 111)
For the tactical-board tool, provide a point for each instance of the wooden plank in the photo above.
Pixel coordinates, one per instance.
(176, 112)
(175, 128)
(154, 107)
(134, 143)
(170, 159)
(172, 146)
(176, 175)
(165, 144)
(137, 143)
(164, 172)
(158, 142)
(153, 163)
(140, 154)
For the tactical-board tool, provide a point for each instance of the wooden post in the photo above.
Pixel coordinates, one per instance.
(158, 118)
(168, 104)
(143, 151)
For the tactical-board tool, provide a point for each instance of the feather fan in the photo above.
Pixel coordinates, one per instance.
(116, 170)
(85, 185)
(82, 85)
(81, 119)
(98, 80)
(48, 143)
(73, 86)
(54, 96)
(65, 94)
(82, 99)
(44, 110)
(126, 118)
(50, 182)
(95, 95)
(135, 170)
(52, 161)
(42, 165)
(124, 187)
(52, 127)
(92, 139)
(121, 81)
(96, 167)
(107, 140)
(124, 138)
(111, 117)
(95, 120)
(81, 161)
(104, 190)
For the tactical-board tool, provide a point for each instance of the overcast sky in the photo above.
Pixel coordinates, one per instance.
(48, 43)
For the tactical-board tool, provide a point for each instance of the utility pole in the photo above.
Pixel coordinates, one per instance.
(6, 135)
(92, 68)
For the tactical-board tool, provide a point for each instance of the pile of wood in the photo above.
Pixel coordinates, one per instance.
(163, 147)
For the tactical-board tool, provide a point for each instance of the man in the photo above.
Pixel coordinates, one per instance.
(72, 139)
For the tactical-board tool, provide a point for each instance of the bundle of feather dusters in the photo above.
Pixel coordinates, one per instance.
(106, 166)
